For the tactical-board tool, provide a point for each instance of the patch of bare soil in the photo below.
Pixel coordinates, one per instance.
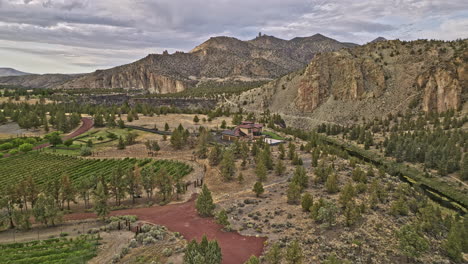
(40, 232)
(183, 218)
(111, 244)
(12, 129)
(173, 120)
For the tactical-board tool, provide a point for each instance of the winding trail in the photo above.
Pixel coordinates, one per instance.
(87, 124)
(183, 218)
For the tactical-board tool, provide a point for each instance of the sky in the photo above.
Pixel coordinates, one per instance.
(77, 36)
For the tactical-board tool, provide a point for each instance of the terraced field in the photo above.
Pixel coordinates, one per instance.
(57, 251)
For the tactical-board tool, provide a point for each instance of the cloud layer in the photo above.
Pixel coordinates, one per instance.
(83, 35)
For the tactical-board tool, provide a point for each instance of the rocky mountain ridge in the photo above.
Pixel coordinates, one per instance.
(370, 81)
(219, 58)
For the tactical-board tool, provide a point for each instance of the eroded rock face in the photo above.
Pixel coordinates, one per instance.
(339, 75)
(138, 78)
(442, 90)
(433, 72)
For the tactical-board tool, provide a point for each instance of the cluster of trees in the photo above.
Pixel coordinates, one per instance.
(276, 254)
(206, 251)
(433, 139)
(46, 204)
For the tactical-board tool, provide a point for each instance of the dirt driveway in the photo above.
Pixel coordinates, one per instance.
(183, 218)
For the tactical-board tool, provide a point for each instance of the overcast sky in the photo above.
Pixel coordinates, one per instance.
(73, 36)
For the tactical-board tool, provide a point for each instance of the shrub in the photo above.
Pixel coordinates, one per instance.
(25, 147)
(13, 152)
(85, 151)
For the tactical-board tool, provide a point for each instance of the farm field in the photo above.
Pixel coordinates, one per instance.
(42, 166)
(57, 250)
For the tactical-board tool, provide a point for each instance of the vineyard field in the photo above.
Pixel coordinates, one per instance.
(56, 250)
(43, 167)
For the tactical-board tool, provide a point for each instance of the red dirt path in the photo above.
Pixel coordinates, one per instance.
(183, 218)
(87, 125)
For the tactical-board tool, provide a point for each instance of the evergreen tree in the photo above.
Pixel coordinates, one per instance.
(280, 168)
(67, 190)
(274, 254)
(166, 127)
(121, 144)
(204, 204)
(215, 155)
(411, 243)
(258, 188)
(164, 183)
(307, 202)
(252, 260)
(347, 194)
(327, 213)
(133, 181)
(223, 124)
(453, 246)
(196, 119)
(300, 178)
(294, 253)
(46, 211)
(240, 178)
(291, 151)
(222, 219)
(117, 184)
(100, 201)
(294, 193)
(282, 151)
(332, 183)
(464, 168)
(228, 167)
(261, 171)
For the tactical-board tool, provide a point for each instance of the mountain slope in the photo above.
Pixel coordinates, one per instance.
(37, 80)
(369, 81)
(219, 58)
(11, 72)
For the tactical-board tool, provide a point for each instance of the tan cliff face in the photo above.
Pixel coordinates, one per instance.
(340, 75)
(367, 72)
(368, 81)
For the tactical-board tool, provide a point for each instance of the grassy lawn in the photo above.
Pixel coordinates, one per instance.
(272, 135)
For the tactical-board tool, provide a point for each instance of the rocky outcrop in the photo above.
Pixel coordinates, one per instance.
(369, 81)
(340, 75)
(442, 90)
(356, 75)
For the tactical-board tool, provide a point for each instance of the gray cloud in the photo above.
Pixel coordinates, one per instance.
(134, 27)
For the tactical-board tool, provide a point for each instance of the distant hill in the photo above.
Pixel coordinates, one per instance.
(219, 58)
(11, 72)
(379, 39)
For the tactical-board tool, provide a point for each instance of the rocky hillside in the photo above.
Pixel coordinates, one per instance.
(219, 58)
(37, 80)
(369, 81)
(11, 72)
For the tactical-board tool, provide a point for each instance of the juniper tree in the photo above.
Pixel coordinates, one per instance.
(228, 167)
(274, 255)
(307, 202)
(204, 203)
(332, 183)
(294, 193)
(294, 253)
(261, 171)
(258, 188)
(411, 243)
(280, 168)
